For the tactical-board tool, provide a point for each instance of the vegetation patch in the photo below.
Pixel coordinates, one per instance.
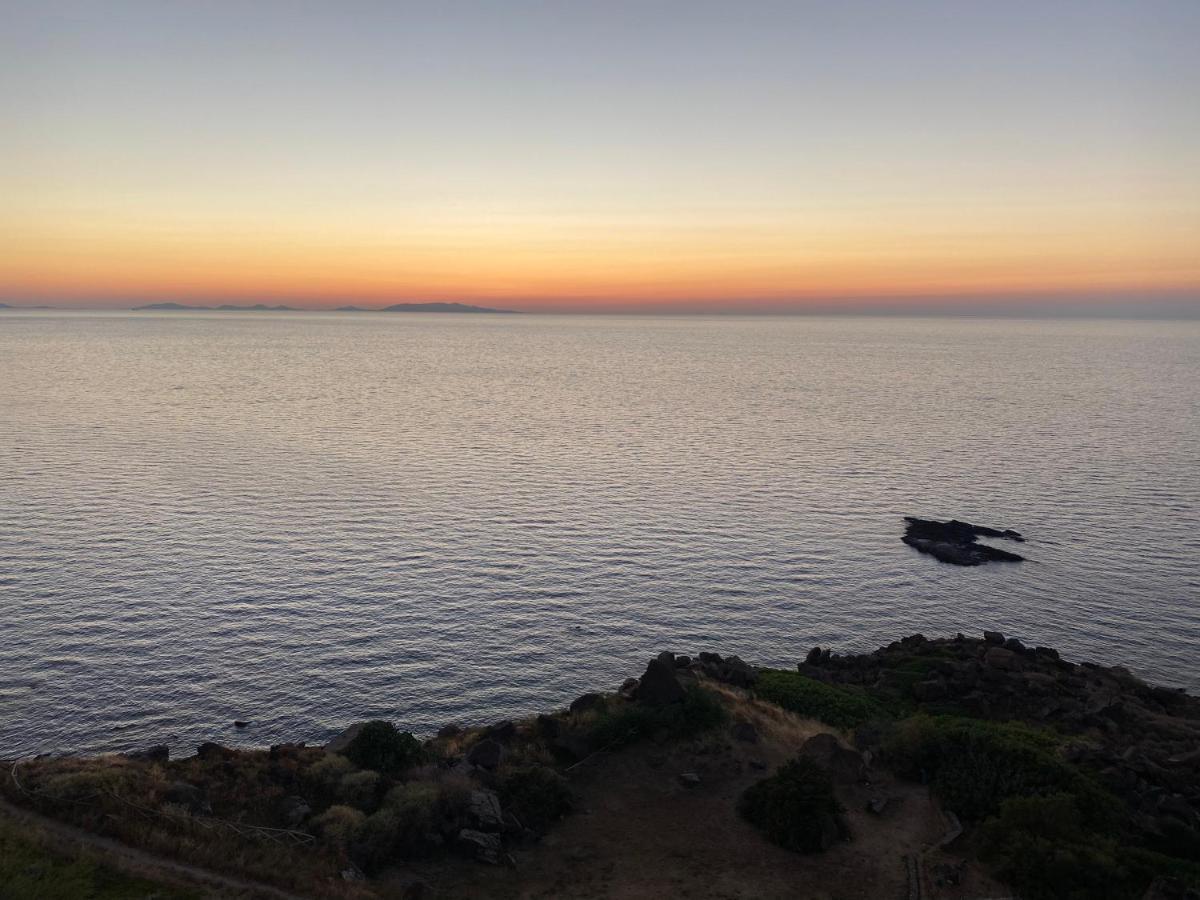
(384, 748)
(538, 796)
(841, 707)
(974, 766)
(795, 808)
(27, 870)
(621, 722)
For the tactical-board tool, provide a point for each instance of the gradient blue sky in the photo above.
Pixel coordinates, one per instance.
(600, 155)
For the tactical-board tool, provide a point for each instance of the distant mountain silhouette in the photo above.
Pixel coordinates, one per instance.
(431, 307)
(257, 307)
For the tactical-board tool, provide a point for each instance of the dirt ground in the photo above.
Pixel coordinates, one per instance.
(638, 832)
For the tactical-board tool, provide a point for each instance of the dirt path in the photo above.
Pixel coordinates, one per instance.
(69, 841)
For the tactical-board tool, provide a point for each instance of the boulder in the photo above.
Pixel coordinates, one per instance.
(586, 701)
(503, 731)
(682, 662)
(1014, 645)
(480, 845)
(159, 753)
(486, 754)
(659, 686)
(999, 658)
(485, 810)
(629, 688)
(294, 810)
(993, 637)
(340, 743)
(846, 766)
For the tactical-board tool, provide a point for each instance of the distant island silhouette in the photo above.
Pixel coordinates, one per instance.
(395, 307)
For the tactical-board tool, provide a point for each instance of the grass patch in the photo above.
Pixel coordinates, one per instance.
(841, 707)
(27, 871)
(795, 808)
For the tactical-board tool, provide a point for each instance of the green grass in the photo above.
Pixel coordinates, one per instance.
(841, 707)
(27, 872)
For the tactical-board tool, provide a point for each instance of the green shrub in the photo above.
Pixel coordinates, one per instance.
(1042, 848)
(537, 796)
(339, 825)
(795, 808)
(617, 723)
(841, 707)
(380, 746)
(973, 766)
(359, 789)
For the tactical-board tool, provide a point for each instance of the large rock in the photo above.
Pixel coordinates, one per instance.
(340, 743)
(486, 754)
(294, 810)
(659, 686)
(954, 541)
(584, 702)
(480, 845)
(843, 764)
(485, 810)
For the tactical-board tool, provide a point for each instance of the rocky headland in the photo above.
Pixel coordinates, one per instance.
(962, 767)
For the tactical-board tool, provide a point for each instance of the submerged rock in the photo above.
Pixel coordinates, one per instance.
(955, 542)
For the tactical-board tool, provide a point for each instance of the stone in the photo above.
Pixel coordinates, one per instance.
(480, 845)
(629, 688)
(159, 753)
(745, 732)
(503, 731)
(294, 810)
(340, 743)
(846, 766)
(713, 659)
(548, 725)
(689, 779)
(585, 702)
(814, 657)
(1014, 645)
(993, 637)
(954, 541)
(485, 810)
(450, 730)
(659, 686)
(682, 662)
(999, 658)
(486, 754)
(210, 750)
(240, 723)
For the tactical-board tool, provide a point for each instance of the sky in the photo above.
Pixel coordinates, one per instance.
(641, 155)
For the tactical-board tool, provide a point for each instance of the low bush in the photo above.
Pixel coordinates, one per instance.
(359, 789)
(339, 825)
(384, 748)
(795, 808)
(617, 723)
(538, 796)
(973, 766)
(841, 707)
(1046, 849)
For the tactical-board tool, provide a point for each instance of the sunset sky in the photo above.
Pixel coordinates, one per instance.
(609, 155)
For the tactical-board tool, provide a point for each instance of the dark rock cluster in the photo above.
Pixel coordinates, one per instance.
(1141, 741)
(955, 542)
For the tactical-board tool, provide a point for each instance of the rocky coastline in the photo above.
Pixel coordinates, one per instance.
(979, 725)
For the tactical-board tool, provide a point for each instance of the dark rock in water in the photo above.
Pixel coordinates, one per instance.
(1014, 645)
(239, 723)
(993, 637)
(159, 753)
(955, 542)
(486, 754)
(659, 686)
(586, 702)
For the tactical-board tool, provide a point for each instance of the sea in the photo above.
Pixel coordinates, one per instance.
(302, 520)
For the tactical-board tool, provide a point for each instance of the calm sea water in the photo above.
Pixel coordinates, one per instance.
(305, 520)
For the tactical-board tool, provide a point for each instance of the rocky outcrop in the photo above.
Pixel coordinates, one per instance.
(955, 542)
(660, 686)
